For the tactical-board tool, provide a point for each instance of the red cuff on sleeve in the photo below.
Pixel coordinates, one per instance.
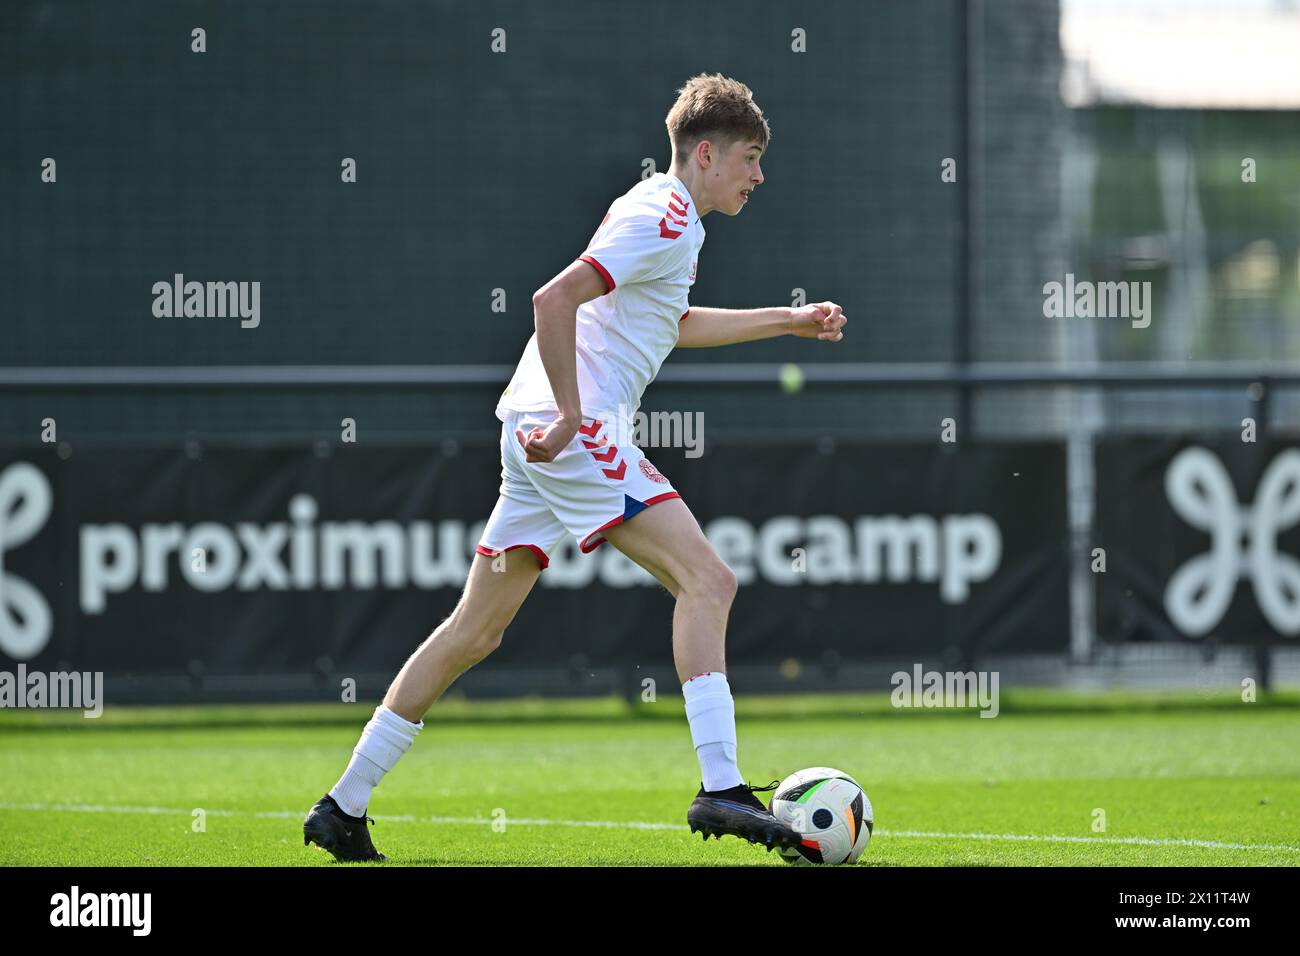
(604, 273)
(684, 315)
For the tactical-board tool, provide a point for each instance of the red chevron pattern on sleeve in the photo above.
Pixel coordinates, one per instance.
(676, 215)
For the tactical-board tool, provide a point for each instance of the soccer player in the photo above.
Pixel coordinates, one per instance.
(603, 327)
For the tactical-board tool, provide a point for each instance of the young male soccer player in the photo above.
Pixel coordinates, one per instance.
(603, 327)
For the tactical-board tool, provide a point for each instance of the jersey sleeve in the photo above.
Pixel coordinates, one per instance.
(636, 248)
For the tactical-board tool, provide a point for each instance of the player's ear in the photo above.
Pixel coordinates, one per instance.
(704, 152)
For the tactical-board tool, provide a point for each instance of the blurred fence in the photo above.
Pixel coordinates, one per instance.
(480, 175)
(225, 166)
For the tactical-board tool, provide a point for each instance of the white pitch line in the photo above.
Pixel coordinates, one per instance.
(641, 825)
(608, 824)
(1135, 841)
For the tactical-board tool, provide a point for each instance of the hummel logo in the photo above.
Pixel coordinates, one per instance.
(676, 215)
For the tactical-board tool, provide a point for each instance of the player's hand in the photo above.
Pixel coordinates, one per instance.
(545, 444)
(818, 320)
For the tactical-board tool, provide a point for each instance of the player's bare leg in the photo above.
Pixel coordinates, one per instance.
(667, 541)
(470, 633)
(494, 591)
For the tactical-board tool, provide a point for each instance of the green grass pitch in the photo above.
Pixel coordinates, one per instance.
(1182, 780)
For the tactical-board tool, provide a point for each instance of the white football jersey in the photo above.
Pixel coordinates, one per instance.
(646, 249)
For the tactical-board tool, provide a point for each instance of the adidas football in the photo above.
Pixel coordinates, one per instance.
(830, 810)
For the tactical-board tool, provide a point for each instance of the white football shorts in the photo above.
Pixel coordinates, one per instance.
(591, 485)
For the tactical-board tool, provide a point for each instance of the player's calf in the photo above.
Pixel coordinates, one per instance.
(472, 631)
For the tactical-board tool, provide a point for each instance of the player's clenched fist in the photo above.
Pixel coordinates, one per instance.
(818, 320)
(545, 444)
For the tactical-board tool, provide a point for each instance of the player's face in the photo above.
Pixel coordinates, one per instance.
(741, 173)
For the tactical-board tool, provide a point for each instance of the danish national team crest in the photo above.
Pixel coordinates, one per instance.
(651, 472)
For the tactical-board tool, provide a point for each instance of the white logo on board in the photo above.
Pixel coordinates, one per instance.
(1243, 542)
(25, 619)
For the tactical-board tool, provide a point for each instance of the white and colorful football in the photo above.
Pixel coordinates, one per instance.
(830, 810)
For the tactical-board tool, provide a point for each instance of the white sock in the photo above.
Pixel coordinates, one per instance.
(386, 737)
(712, 714)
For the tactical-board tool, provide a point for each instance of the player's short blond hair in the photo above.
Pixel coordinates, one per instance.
(716, 108)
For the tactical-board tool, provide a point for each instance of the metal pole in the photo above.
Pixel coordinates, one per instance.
(966, 289)
(1081, 497)
(1258, 393)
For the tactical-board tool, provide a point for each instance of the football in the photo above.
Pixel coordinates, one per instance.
(830, 810)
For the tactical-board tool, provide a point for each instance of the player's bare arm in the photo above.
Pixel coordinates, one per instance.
(706, 328)
(555, 308)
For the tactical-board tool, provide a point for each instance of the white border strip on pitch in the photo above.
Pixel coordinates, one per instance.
(1134, 841)
(638, 825)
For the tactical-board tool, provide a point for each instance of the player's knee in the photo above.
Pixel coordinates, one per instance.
(469, 639)
(481, 645)
(716, 582)
(487, 643)
(726, 583)
(479, 626)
